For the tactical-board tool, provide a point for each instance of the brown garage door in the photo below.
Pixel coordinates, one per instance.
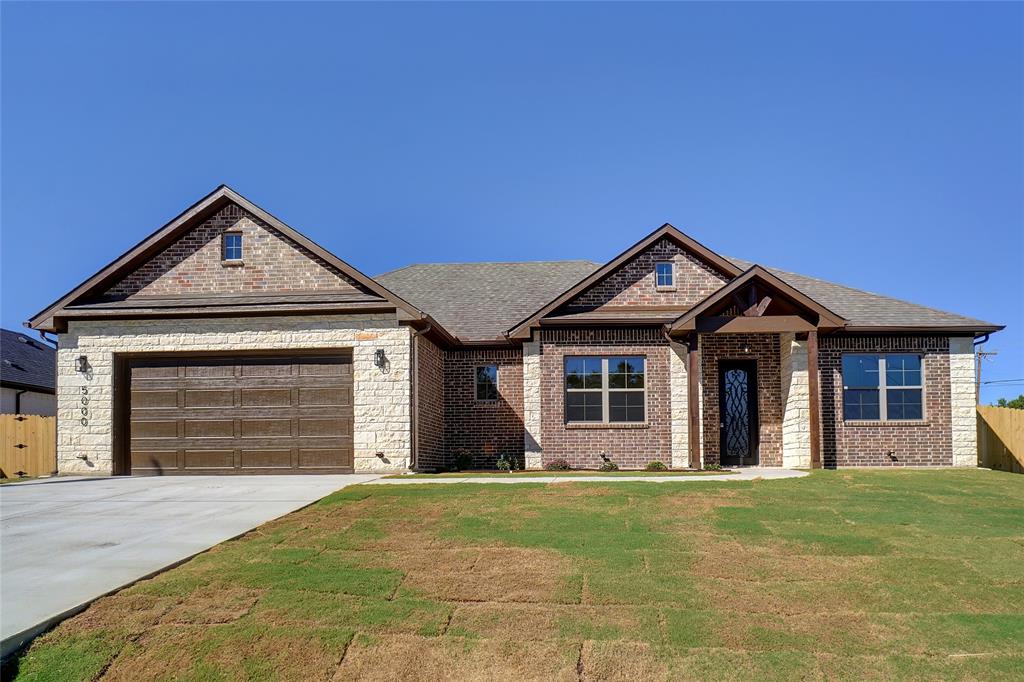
(240, 415)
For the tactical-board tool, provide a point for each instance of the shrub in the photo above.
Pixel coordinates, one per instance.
(507, 463)
(712, 467)
(463, 460)
(559, 464)
(608, 465)
(656, 466)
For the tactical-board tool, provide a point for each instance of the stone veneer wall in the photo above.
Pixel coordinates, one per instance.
(679, 380)
(532, 440)
(796, 411)
(765, 349)
(913, 443)
(430, 453)
(381, 400)
(273, 264)
(483, 429)
(629, 446)
(634, 282)
(963, 402)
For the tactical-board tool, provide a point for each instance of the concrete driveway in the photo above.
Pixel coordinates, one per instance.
(67, 541)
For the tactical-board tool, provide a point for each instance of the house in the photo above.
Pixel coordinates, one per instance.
(27, 371)
(228, 342)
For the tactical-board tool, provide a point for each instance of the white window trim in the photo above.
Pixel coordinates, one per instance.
(883, 388)
(604, 390)
(665, 287)
(497, 383)
(224, 247)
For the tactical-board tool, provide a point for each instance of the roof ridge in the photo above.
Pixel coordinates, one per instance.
(498, 262)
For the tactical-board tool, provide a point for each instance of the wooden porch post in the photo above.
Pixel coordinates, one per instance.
(814, 398)
(693, 400)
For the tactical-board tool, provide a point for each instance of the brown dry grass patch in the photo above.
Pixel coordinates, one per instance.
(413, 658)
(540, 622)
(213, 605)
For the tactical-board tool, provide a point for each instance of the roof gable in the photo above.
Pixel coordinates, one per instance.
(223, 204)
(613, 278)
(743, 297)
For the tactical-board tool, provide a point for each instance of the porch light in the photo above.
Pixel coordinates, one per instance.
(746, 349)
(379, 359)
(82, 364)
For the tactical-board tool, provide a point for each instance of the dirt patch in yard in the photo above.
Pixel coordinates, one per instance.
(213, 605)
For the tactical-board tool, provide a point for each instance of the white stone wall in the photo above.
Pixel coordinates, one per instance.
(963, 402)
(381, 399)
(678, 401)
(531, 404)
(796, 424)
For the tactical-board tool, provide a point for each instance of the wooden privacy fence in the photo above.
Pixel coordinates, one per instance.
(1001, 438)
(29, 444)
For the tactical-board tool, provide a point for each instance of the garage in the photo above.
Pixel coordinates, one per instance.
(238, 415)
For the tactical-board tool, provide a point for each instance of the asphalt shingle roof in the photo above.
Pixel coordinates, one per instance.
(26, 362)
(481, 301)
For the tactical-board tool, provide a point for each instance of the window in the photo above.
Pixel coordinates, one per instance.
(882, 387)
(232, 246)
(487, 382)
(605, 389)
(664, 274)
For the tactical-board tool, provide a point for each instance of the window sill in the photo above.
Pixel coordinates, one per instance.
(232, 263)
(607, 425)
(890, 422)
(666, 289)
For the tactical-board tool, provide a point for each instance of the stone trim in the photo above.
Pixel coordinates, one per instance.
(381, 401)
(678, 406)
(963, 402)
(532, 405)
(796, 422)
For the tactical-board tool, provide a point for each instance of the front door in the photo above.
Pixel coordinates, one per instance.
(737, 405)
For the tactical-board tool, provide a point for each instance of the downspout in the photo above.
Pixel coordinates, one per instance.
(17, 400)
(981, 340)
(415, 381)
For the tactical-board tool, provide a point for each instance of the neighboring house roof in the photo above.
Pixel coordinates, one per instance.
(480, 301)
(26, 363)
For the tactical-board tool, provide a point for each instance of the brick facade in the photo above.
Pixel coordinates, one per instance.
(765, 350)
(634, 282)
(193, 264)
(429, 389)
(913, 443)
(483, 429)
(631, 446)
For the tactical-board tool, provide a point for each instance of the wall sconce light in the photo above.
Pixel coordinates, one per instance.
(379, 359)
(82, 364)
(746, 349)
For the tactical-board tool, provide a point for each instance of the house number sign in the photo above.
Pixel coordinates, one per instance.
(85, 406)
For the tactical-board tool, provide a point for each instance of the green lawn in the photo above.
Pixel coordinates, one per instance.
(840, 575)
(557, 474)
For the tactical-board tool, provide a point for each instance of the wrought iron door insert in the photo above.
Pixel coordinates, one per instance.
(737, 407)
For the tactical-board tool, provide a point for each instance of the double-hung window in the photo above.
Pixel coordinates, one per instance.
(232, 246)
(881, 387)
(605, 389)
(664, 275)
(487, 382)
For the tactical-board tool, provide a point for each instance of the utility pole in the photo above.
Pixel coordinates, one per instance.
(978, 357)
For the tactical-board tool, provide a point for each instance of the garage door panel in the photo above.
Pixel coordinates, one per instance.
(142, 400)
(209, 428)
(264, 459)
(266, 428)
(266, 397)
(317, 458)
(231, 415)
(209, 459)
(155, 459)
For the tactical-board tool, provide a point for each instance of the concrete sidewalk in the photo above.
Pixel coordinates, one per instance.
(67, 541)
(744, 474)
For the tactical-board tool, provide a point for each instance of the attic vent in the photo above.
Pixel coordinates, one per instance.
(22, 339)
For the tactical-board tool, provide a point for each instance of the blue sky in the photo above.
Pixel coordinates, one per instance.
(876, 145)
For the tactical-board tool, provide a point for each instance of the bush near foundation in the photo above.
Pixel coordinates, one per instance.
(558, 464)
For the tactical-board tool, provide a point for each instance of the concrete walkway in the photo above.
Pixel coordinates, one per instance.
(745, 474)
(66, 541)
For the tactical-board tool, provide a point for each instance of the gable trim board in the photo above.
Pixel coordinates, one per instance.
(412, 375)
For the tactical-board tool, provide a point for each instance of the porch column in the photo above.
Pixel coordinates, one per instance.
(693, 400)
(814, 398)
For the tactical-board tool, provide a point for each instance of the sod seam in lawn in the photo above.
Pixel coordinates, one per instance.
(559, 474)
(839, 575)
